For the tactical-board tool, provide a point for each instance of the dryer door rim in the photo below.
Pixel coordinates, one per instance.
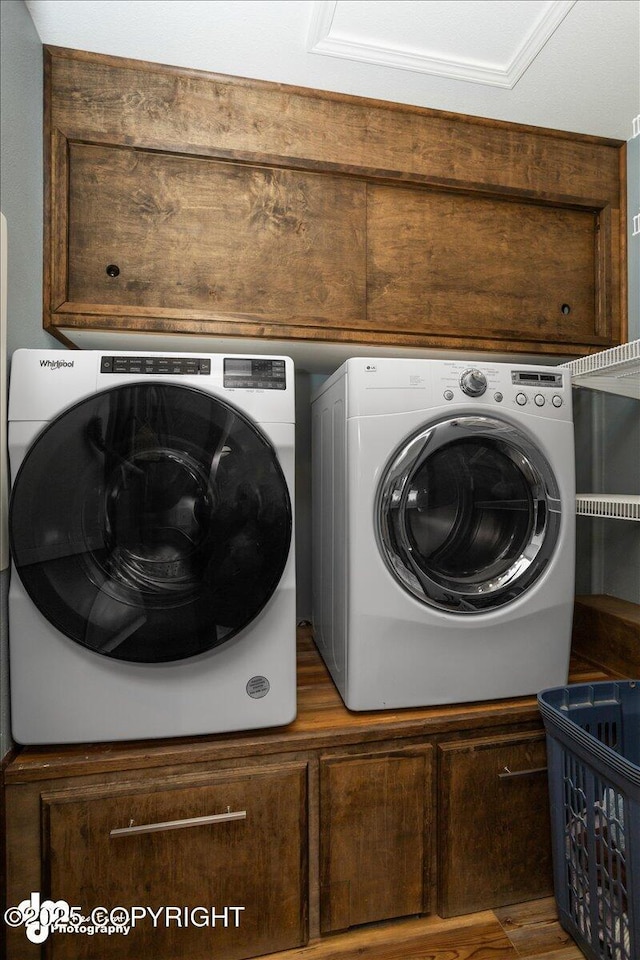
(467, 513)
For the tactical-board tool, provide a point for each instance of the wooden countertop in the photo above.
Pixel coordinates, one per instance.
(322, 721)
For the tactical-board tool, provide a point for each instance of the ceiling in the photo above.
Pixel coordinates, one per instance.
(566, 64)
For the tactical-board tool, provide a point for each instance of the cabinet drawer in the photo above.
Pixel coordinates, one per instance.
(494, 843)
(199, 844)
(374, 837)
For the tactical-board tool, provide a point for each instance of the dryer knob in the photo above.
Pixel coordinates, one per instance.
(473, 383)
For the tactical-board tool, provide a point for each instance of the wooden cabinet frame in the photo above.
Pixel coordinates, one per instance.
(184, 113)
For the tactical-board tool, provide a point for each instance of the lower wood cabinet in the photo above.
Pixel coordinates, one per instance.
(202, 845)
(266, 841)
(376, 821)
(494, 844)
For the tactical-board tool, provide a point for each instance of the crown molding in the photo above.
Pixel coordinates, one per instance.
(321, 42)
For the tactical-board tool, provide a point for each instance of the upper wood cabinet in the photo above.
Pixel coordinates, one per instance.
(184, 202)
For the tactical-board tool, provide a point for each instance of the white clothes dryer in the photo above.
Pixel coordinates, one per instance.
(152, 589)
(444, 519)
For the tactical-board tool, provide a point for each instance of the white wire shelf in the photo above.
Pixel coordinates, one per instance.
(614, 506)
(613, 371)
(610, 371)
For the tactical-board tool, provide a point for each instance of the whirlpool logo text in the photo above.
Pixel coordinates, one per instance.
(56, 364)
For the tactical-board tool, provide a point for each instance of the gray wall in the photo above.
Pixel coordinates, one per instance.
(616, 431)
(607, 458)
(633, 208)
(21, 173)
(21, 203)
(608, 450)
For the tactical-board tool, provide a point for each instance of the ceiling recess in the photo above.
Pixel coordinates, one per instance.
(437, 38)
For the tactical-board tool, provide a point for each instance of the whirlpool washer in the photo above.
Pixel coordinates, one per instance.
(151, 526)
(444, 516)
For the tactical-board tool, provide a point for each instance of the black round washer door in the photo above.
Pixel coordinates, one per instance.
(150, 522)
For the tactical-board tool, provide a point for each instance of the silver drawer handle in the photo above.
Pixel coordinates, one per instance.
(508, 774)
(178, 824)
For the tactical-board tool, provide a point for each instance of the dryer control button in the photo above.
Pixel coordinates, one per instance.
(448, 394)
(498, 397)
(521, 399)
(538, 400)
(556, 400)
(473, 382)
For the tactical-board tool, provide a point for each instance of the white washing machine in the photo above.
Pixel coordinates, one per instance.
(152, 589)
(444, 516)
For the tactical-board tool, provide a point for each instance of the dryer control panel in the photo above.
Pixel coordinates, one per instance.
(541, 390)
(379, 386)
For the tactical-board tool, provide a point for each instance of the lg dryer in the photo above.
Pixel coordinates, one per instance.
(151, 526)
(444, 512)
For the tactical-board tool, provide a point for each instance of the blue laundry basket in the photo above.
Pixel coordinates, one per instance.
(593, 749)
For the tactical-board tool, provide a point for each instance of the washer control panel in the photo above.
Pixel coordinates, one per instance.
(238, 373)
(155, 365)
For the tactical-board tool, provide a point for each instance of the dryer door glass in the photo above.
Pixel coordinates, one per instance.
(468, 514)
(150, 522)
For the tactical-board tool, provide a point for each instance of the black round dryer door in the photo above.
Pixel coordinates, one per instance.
(468, 514)
(150, 522)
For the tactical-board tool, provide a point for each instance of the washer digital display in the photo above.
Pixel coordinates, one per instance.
(254, 374)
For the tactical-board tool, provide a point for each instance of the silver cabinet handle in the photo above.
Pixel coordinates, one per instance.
(508, 774)
(178, 824)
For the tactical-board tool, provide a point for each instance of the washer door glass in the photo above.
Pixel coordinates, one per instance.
(150, 522)
(468, 514)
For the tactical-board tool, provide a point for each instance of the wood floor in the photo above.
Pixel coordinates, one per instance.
(528, 930)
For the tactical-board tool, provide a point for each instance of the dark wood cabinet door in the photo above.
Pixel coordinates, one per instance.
(253, 857)
(375, 825)
(158, 234)
(448, 264)
(494, 844)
